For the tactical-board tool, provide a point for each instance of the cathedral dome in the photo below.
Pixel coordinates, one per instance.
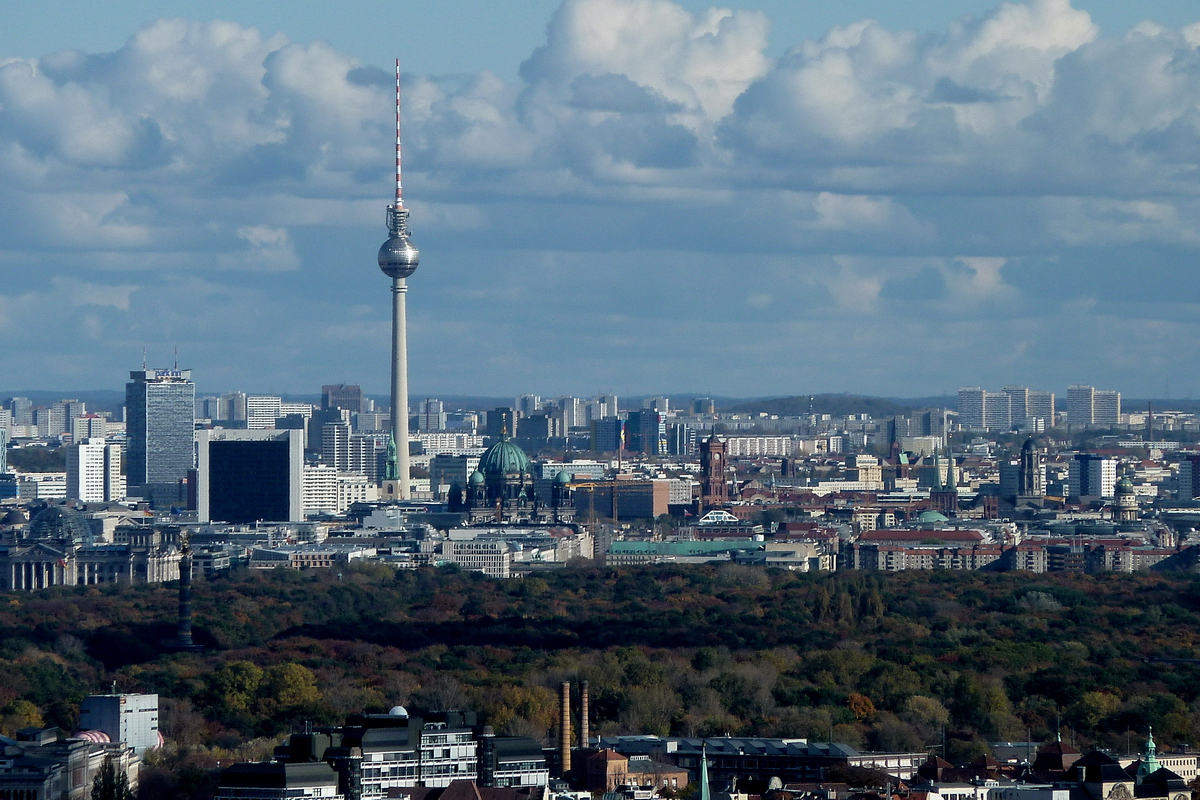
(476, 478)
(1125, 486)
(563, 477)
(504, 458)
(59, 522)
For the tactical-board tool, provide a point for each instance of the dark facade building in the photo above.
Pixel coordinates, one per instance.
(250, 476)
(269, 781)
(347, 396)
(502, 422)
(754, 762)
(606, 434)
(647, 432)
(160, 419)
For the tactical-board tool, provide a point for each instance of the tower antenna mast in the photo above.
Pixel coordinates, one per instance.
(398, 259)
(399, 182)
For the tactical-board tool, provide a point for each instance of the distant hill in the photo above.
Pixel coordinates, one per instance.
(835, 404)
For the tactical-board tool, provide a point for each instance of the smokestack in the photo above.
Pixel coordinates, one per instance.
(185, 598)
(583, 715)
(564, 732)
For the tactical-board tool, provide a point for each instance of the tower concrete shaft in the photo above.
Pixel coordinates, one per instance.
(400, 384)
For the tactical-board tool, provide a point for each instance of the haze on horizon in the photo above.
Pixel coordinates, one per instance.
(662, 197)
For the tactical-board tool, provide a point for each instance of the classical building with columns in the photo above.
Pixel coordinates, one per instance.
(59, 548)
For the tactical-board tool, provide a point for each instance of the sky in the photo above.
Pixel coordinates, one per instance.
(631, 196)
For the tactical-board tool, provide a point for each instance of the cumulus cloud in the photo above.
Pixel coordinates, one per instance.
(993, 174)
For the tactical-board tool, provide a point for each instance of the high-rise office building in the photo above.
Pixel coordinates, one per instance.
(573, 410)
(1189, 478)
(646, 431)
(90, 426)
(1106, 408)
(94, 472)
(343, 395)
(1087, 405)
(528, 404)
(659, 404)
(22, 410)
(1080, 411)
(3, 451)
(1039, 405)
(606, 434)
(1091, 475)
(997, 411)
(431, 416)
(970, 407)
(160, 407)
(1018, 403)
(249, 476)
(262, 410)
(350, 452)
(233, 407)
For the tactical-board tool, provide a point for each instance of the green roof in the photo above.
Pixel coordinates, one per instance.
(504, 458)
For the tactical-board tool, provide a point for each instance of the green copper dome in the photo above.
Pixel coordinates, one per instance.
(504, 458)
(932, 516)
(476, 478)
(1125, 486)
(562, 478)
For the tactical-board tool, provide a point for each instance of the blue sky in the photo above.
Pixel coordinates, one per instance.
(610, 195)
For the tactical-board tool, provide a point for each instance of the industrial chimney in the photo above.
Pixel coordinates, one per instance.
(564, 732)
(583, 715)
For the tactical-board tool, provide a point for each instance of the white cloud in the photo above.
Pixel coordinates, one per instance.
(646, 145)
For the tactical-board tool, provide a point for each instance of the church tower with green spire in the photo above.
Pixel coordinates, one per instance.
(1149, 763)
(391, 469)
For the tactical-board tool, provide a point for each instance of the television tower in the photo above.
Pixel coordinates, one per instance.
(398, 259)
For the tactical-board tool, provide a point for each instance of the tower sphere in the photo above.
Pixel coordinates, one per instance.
(397, 257)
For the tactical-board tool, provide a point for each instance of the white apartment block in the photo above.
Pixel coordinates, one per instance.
(262, 411)
(42, 486)
(756, 446)
(303, 409)
(452, 443)
(94, 473)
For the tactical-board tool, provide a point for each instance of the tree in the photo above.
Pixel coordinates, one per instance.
(289, 685)
(860, 706)
(110, 783)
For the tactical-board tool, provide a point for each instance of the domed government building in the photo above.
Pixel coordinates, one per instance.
(503, 489)
(60, 546)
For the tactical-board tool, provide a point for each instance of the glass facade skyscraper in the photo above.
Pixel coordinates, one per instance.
(160, 422)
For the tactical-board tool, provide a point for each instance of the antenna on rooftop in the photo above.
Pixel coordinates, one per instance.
(176, 358)
(143, 358)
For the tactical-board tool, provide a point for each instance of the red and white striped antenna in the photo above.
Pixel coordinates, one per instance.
(399, 184)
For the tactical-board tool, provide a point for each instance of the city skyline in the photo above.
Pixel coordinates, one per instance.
(687, 202)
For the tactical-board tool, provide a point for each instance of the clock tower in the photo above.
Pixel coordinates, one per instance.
(714, 489)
